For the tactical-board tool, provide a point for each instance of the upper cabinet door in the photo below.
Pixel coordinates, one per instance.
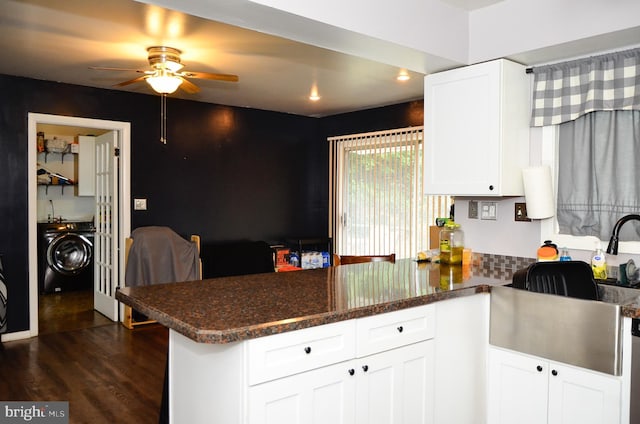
(477, 130)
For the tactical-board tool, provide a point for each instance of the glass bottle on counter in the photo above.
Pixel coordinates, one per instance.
(451, 244)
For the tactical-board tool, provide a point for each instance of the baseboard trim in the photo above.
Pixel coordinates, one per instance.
(18, 335)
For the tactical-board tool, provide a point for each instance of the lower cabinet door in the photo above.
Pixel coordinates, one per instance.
(323, 395)
(583, 396)
(518, 388)
(396, 386)
(527, 389)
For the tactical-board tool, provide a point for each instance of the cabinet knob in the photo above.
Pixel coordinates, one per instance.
(351, 371)
(400, 329)
(307, 349)
(491, 187)
(539, 368)
(554, 372)
(365, 368)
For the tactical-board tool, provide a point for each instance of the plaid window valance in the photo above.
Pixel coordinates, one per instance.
(564, 91)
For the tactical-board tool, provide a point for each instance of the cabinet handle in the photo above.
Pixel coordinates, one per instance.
(365, 368)
(539, 368)
(491, 188)
(351, 371)
(400, 329)
(307, 350)
(554, 372)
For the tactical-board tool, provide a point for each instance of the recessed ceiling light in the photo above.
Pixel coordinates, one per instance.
(403, 75)
(314, 96)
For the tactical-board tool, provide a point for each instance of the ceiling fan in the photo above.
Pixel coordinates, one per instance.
(166, 75)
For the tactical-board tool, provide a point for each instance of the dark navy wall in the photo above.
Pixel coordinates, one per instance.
(226, 173)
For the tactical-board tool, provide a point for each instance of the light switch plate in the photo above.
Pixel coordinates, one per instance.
(473, 209)
(488, 211)
(140, 204)
(520, 212)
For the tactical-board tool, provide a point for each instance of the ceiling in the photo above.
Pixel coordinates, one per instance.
(59, 40)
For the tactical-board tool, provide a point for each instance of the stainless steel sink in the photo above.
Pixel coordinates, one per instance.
(620, 295)
(584, 333)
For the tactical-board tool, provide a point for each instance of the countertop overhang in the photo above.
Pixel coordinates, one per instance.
(230, 309)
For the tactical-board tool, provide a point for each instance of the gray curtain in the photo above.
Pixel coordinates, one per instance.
(599, 174)
(564, 91)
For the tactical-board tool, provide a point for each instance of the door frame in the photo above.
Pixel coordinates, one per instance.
(124, 208)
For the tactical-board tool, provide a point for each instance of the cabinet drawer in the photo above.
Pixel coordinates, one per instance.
(394, 329)
(289, 353)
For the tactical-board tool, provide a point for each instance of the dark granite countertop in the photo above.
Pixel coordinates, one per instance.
(229, 309)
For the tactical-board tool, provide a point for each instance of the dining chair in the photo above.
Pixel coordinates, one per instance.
(173, 251)
(353, 259)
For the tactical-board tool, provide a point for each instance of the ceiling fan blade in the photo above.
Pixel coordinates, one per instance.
(122, 84)
(207, 75)
(188, 86)
(102, 68)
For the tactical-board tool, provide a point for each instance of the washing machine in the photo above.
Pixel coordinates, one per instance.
(65, 251)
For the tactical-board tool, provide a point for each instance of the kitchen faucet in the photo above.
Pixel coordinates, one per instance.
(612, 248)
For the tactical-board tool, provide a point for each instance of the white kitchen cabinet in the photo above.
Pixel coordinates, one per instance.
(323, 395)
(476, 130)
(528, 389)
(396, 386)
(461, 341)
(293, 352)
(322, 374)
(86, 172)
(390, 379)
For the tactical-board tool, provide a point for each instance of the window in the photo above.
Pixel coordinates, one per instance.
(599, 176)
(587, 109)
(550, 228)
(377, 202)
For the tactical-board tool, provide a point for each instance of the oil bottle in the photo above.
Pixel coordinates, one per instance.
(451, 243)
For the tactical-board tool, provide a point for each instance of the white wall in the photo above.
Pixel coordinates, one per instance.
(429, 35)
(504, 236)
(519, 26)
(427, 25)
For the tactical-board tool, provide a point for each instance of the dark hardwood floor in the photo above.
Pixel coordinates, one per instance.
(107, 373)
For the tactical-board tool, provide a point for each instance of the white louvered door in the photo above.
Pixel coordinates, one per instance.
(106, 220)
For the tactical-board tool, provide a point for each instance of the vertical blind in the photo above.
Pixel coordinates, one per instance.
(377, 201)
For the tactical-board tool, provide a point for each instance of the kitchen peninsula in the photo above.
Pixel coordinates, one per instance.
(354, 343)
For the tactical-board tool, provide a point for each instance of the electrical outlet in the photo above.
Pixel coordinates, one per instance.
(139, 204)
(473, 209)
(521, 212)
(489, 210)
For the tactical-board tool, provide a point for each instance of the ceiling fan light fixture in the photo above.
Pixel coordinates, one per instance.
(164, 84)
(173, 66)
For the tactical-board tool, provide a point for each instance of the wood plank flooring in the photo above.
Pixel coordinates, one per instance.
(107, 373)
(59, 312)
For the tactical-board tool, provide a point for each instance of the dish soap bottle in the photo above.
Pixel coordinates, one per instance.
(547, 252)
(599, 263)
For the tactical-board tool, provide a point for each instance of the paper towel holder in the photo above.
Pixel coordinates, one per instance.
(538, 192)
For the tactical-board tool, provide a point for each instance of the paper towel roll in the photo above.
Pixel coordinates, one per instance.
(538, 192)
